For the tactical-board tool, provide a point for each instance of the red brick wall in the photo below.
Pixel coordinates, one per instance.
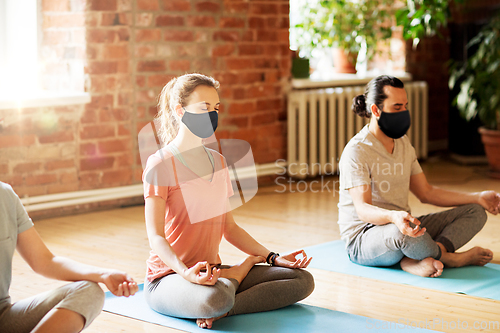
(243, 44)
(107, 136)
(38, 154)
(62, 50)
(131, 48)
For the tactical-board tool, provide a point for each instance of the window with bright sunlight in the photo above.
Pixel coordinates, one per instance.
(18, 47)
(34, 73)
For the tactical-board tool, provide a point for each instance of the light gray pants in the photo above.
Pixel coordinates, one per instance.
(385, 245)
(264, 288)
(84, 297)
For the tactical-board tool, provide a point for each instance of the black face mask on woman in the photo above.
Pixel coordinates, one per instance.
(394, 124)
(202, 125)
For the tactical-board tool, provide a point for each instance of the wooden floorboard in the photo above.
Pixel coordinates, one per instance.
(282, 222)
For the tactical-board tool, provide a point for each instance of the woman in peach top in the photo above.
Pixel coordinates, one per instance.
(186, 190)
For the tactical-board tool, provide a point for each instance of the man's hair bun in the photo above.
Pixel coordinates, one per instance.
(359, 106)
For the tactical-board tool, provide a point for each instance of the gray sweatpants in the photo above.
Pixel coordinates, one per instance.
(385, 245)
(264, 288)
(83, 297)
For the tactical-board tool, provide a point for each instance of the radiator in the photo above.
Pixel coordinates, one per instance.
(321, 122)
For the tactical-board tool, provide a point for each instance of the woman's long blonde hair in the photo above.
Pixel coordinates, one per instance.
(177, 91)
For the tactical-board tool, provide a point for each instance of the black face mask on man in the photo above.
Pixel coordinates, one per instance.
(394, 124)
(202, 125)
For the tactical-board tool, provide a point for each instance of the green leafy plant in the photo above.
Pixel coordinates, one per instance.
(346, 24)
(479, 78)
(420, 18)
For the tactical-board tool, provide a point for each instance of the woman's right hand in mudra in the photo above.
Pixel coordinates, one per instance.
(208, 277)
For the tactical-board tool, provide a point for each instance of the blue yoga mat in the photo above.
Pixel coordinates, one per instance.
(480, 281)
(297, 318)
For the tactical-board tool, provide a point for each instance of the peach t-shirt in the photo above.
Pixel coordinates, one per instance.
(195, 209)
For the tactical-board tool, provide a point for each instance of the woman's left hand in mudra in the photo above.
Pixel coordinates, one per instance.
(291, 261)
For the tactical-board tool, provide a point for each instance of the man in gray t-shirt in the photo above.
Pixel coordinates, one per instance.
(378, 168)
(365, 161)
(72, 307)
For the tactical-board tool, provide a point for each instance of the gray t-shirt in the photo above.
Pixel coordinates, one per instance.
(365, 161)
(13, 221)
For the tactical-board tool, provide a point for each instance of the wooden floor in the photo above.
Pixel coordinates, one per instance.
(282, 222)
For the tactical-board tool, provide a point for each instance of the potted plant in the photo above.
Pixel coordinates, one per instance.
(346, 25)
(423, 18)
(478, 80)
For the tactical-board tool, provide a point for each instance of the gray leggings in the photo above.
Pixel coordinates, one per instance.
(85, 298)
(264, 288)
(385, 245)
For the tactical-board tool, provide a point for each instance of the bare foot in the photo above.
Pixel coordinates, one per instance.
(207, 322)
(429, 267)
(476, 256)
(239, 271)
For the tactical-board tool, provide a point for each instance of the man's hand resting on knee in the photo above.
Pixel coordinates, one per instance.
(490, 200)
(403, 219)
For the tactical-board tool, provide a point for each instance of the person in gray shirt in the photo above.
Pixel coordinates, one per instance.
(378, 168)
(69, 308)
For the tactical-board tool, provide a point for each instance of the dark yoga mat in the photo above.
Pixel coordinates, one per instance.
(297, 318)
(480, 281)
